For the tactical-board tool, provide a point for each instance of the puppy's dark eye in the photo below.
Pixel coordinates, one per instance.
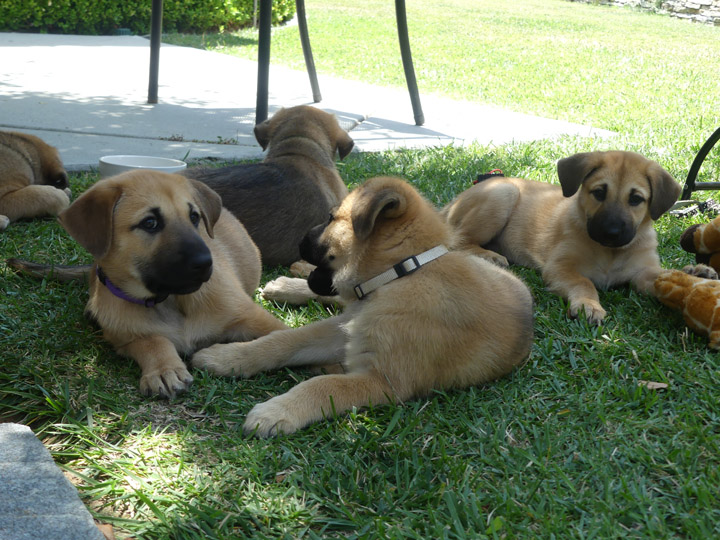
(330, 219)
(150, 224)
(635, 199)
(599, 193)
(331, 257)
(194, 217)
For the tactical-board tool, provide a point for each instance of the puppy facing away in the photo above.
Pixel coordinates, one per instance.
(33, 182)
(173, 272)
(593, 230)
(293, 189)
(417, 318)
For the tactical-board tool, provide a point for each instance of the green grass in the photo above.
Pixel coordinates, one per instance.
(568, 446)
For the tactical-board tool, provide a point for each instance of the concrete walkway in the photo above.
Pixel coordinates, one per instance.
(36, 501)
(87, 95)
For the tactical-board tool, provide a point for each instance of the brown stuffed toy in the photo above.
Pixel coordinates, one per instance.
(704, 241)
(697, 297)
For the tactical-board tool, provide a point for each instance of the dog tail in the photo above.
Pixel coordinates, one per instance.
(54, 271)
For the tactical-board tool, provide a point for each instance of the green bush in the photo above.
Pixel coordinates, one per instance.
(106, 16)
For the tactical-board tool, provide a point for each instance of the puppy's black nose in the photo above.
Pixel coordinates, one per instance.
(200, 264)
(310, 248)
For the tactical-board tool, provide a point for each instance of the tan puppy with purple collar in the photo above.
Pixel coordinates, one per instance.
(174, 271)
(417, 317)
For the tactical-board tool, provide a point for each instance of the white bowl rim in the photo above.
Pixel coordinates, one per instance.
(142, 162)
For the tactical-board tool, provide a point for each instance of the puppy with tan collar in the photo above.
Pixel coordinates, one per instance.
(594, 230)
(417, 316)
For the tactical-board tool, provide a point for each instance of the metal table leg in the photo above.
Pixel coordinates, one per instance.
(401, 16)
(307, 51)
(261, 107)
(155, 38)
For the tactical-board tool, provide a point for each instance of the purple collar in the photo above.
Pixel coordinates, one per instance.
(149, 302)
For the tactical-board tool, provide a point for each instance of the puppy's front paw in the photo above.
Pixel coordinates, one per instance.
(496, 259)
(61, 200)
(594, 312)
(270, 419)
(223, 359)
(166, 382)
(301, 268)
(4, 222)
(287, 289)
(701, 271)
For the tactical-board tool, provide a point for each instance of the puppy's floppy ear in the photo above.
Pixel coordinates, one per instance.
(665, 190)
(372, 205)
(210, 204)
(262, 133)
(344, 142)
(89, 220)
(572, 171)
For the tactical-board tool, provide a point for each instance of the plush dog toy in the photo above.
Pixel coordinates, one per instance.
(697, 297)
(704, 241)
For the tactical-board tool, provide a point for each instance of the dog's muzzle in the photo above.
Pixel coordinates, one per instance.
(320, 279)
(611, 228)
(180, 269)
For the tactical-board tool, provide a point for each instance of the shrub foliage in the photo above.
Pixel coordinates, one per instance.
(107, 16)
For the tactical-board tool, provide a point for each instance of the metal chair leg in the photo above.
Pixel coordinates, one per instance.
(690, 184)
(307, 51)
(401, 16)
(155, 38)
(263, 78)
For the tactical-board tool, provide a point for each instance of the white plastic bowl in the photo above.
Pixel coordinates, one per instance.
(112, 165)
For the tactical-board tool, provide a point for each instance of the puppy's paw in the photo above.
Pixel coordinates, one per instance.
(166, 382)
(301, 268)
(224, 359)
(496, 259)
(61, 199)
(4, 222)
(288, 290)
(701, 271)
(594, 312)
(270, 419)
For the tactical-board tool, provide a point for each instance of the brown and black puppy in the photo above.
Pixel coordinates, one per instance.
(595, 229)
(33, 182)
(293, 189)
(417, 317)
(173, 272)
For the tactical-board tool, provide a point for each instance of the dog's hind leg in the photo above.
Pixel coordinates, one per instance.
(34, 201)
(479, 215)
(252, 322)
(315, 399)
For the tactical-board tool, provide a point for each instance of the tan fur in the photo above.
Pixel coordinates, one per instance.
(33, 182)
(105, 220)
(293, 189)
(307, 138)
(455, 322)
(533, 224)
